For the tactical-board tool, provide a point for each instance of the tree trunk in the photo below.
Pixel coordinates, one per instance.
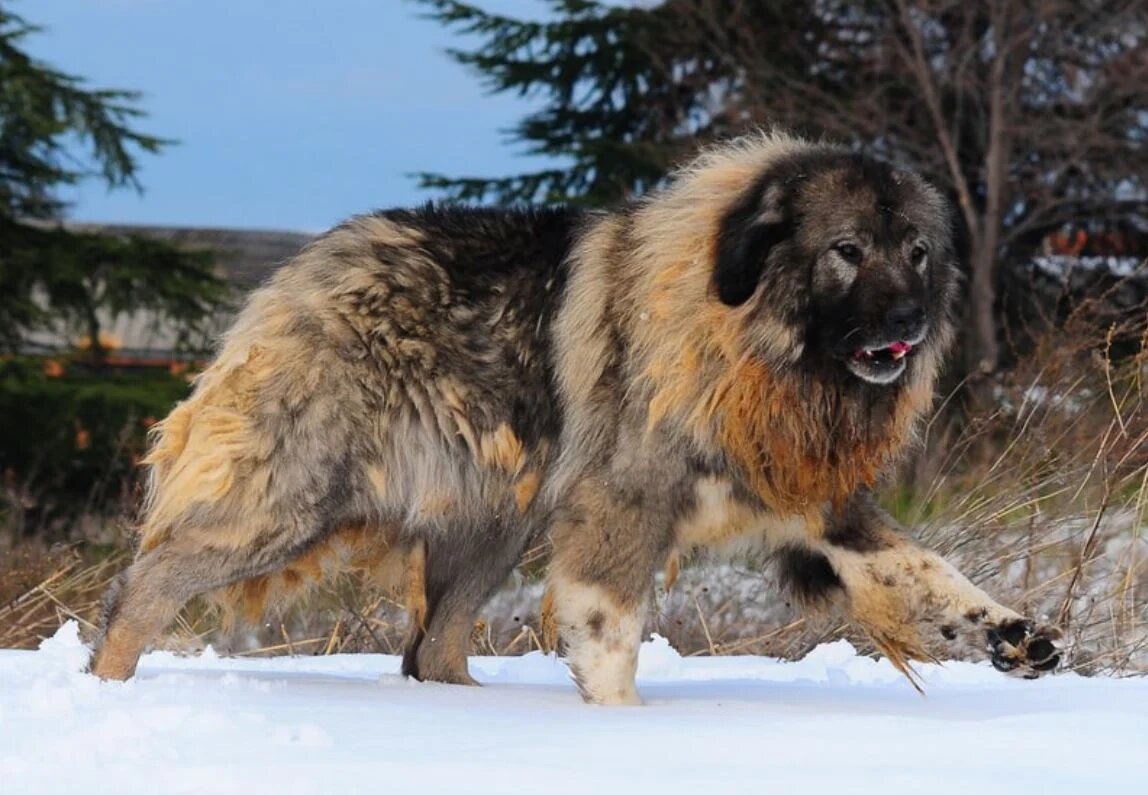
(96, 352)
(983, 352)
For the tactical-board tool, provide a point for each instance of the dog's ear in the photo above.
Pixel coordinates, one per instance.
(754, 226)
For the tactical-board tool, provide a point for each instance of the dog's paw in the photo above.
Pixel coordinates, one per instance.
(1020, 648)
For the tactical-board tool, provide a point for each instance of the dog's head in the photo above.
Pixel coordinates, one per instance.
(856, 258)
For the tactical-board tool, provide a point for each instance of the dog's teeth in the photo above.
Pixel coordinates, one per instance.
(898, 355)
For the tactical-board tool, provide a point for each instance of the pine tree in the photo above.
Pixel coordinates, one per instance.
(52, 277)
(612, 115)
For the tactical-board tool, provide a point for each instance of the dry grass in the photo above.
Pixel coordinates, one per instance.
(41, 588)
(1047, 496)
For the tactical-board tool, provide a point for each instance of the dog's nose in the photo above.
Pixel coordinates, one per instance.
(905, 320)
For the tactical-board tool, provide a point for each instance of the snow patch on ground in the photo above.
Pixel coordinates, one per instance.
(1063, 264)
(350, 723)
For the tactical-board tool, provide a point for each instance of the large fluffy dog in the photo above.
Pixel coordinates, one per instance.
(429, 392)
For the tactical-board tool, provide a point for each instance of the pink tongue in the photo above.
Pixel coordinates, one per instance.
(900, 347)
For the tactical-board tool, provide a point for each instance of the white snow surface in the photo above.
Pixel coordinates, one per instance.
(832, 722)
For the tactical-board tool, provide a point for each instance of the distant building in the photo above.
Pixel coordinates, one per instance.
(243, 257)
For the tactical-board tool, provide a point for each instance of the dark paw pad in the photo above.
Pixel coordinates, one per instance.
(1023, 649)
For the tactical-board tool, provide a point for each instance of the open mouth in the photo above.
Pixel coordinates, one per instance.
(880, 365)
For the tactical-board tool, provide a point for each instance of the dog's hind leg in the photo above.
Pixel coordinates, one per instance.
(460, 578)
(150, 593)
(413, 591)
(414, 584)
(912, 602)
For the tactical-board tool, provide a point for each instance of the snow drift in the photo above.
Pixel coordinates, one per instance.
(833, 722)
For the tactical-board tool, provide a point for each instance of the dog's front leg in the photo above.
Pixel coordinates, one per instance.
(607, 547)
(916, 605)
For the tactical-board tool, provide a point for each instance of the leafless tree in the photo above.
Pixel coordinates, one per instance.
(1032, 113)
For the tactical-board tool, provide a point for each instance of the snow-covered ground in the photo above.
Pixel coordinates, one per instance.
(833, 722)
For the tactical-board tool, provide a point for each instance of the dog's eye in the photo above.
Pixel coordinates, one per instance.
(917, 255)
(849, 252)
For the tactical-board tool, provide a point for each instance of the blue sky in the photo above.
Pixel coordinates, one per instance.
(291, 114)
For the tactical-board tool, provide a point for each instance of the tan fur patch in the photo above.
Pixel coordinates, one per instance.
(203, 469)
(548, 622)
(436, 505)
(360, 549)
(378, 477)
(719, 521)
(382, 231)
(797, 447)
(119, 655)
(787, 455)
(501, 448)
(525, 490)
(673, 568)
(198, 450)
(415, 584)
(581, 336)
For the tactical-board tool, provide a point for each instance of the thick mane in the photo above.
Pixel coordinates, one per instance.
(803, 441)
(730, 374)
(799, 440)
